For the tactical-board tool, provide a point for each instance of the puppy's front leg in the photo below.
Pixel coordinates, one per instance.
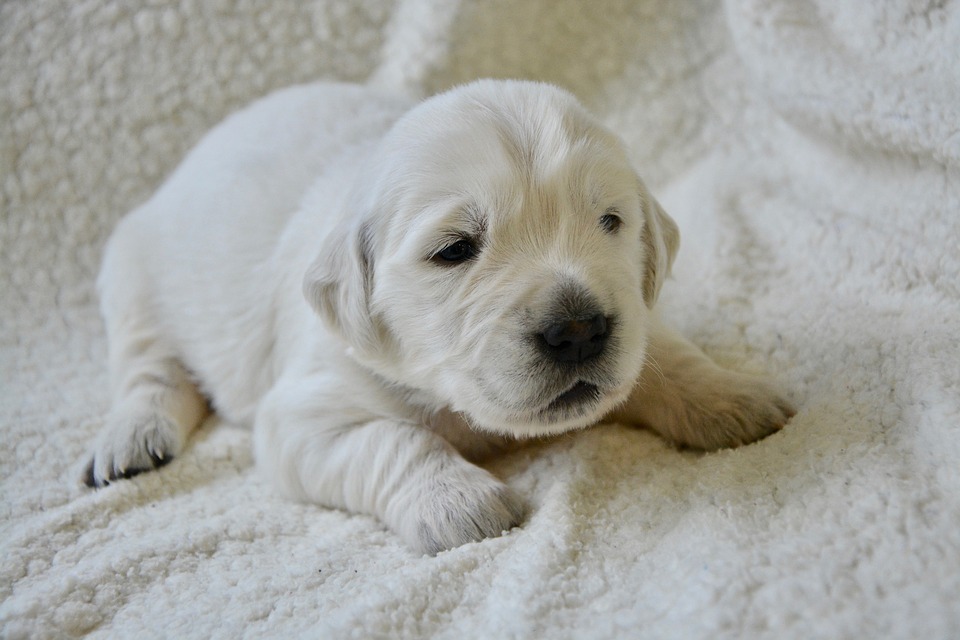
(407, 476)
(690, 400)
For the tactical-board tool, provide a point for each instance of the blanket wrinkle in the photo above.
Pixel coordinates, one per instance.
(875, 73)
(810, 153)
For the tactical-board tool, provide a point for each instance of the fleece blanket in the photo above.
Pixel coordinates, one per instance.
(810, 152)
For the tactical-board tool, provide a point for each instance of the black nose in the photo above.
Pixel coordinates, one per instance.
(576, 340)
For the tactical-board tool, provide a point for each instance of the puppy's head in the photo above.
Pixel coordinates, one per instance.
(502, 260)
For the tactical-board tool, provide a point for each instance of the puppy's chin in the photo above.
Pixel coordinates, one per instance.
(580, 406)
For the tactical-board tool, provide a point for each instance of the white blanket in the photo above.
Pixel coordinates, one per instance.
(810, 151)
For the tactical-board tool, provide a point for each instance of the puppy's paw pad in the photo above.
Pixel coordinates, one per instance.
(132, 443)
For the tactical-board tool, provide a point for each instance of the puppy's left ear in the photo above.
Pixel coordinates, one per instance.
(661, 239)
(339, 283)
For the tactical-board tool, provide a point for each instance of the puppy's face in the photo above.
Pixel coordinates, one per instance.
(504, 261)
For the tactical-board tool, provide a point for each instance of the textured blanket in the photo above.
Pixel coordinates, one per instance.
(810, 152)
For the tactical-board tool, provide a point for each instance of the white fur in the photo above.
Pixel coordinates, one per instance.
(290, 277)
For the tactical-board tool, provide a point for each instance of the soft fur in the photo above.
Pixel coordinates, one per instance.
(297, 282)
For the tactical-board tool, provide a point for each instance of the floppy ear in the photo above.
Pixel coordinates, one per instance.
(339, 283)
(661, 239)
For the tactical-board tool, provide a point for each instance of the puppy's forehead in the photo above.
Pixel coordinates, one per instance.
(497, 148)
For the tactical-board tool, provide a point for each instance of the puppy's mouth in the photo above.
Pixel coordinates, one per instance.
(579, 405)
(580, 394)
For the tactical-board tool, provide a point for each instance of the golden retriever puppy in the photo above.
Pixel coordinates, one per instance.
(384, 291)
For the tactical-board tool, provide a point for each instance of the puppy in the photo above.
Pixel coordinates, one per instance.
(385, 291)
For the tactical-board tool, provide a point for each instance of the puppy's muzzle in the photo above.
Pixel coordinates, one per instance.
(575, 340)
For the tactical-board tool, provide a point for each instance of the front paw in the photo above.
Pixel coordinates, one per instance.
(457, 506)
(735, 410)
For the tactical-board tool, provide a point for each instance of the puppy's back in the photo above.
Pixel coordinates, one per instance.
(206, 242)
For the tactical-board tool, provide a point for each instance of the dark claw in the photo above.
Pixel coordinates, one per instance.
(160, 462)
(88, 478)
(126, 475)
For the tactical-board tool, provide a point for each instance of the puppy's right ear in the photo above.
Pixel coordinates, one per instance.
(339, 283)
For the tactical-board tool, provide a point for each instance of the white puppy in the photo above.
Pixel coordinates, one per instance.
(383, 291)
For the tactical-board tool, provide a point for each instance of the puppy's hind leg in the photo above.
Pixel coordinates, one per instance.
(155, 403)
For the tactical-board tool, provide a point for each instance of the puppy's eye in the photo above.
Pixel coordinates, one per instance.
(459, 251)
(610, 221)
